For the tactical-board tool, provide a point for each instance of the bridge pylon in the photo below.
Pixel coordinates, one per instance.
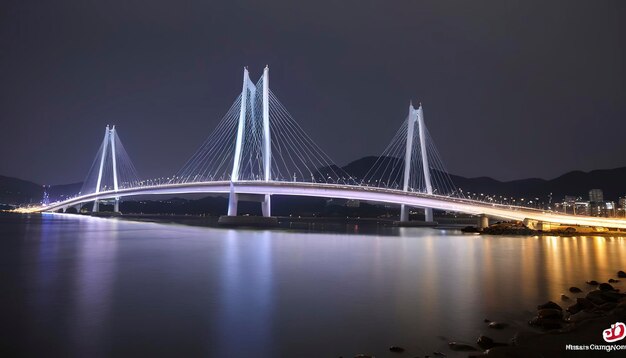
(416, 117)
(249, 102)
(108, 144)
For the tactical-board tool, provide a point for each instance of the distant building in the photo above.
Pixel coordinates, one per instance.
(581, 208)
(611, 208)
(46, 196)
(596, 195)
(571, 199)
(621, 211)
(603, 208)
(573, 205)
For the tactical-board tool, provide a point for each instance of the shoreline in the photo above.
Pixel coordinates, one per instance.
(580, 324)
(511, 228)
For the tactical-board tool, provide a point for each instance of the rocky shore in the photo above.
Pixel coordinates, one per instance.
(579, 319)
(518, 228)
(581, 323)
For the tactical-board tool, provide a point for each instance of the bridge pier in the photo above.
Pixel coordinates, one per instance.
(428, 215)
(483, 222)
(404, 213)
(266, 206)
(116, 206)
(232, 220)
(404, 218)
(232, 201)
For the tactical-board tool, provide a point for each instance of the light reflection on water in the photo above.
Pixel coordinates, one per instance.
(93, 287)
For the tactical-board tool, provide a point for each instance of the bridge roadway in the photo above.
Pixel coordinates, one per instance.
(339, 191)
(363, 193)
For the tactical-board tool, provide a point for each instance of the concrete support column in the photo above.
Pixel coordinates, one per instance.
(116, 205)
(428, 215)
(96, 206)
(404, 213)
(232, 201)
(483, 222)
(266, 207)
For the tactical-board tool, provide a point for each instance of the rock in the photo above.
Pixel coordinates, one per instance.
(470, 229)
(497, 325)
(606, 307)
(606, 287)
(574, 289)
(612, 296)
(396, 349)
(582, 316)
(564, 298)
(549, 305)
(546, 323)
(575, 308)
(612, 280)
(599, 297)
(581, 304)
(460, 347)
(596, 297)
(621, 274)
(585, 303)
(550, 313)
(485, 342)
(592, 283)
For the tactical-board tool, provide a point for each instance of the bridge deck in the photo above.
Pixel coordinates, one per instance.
(364, 193)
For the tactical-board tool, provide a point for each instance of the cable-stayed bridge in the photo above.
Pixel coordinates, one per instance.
(258, 150)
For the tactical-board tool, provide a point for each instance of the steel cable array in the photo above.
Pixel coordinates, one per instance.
(127, 176)
(388, 169)
(295, 156)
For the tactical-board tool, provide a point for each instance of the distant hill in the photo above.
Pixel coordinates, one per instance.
(18, 191)
(577, 183)
(59, 192)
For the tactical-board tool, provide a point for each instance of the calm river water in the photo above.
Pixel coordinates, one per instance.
(90, 287)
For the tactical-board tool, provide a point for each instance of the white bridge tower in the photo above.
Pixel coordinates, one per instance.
(108, 144)
(248, 99)
(416, 116)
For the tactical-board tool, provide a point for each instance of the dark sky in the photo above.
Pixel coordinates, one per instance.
(511, 89)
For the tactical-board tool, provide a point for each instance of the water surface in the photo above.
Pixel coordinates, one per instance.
(82, 286)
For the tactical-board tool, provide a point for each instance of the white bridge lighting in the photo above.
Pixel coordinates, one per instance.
(258, 149)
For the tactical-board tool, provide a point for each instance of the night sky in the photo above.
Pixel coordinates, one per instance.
(511, 89)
